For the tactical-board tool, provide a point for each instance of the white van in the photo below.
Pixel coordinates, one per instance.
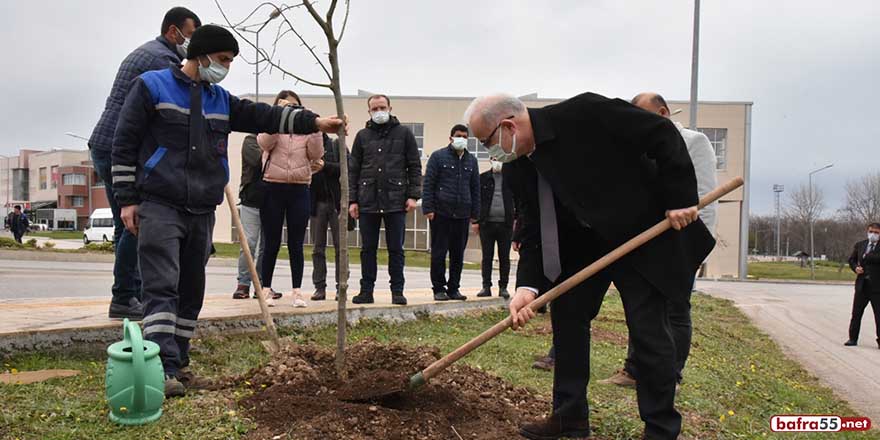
(100, 227)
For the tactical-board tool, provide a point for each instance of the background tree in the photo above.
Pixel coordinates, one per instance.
(804, 206)
(863, 199)
(332, 81)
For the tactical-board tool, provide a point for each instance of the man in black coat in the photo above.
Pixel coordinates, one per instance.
(495, 226)
(385, 183)
(865, 262)
(18, 223)
(325, 197)
(450, 200)
(597, 172)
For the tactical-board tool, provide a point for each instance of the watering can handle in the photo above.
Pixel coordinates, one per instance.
(132, 333)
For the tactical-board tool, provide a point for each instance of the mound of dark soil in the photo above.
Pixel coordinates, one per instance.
(297, 395)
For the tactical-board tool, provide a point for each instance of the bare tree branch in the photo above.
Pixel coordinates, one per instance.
(265, 55)
(330, 11)
(344, 22)
(315, 15)
(304, 43)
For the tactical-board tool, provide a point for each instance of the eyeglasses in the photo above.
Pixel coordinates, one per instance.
(484, 142)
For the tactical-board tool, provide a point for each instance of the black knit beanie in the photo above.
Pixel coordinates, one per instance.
(209, 39)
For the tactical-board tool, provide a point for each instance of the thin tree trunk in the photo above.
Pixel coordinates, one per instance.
(342, 294)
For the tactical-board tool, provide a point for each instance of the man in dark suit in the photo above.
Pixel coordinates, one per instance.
(865, 262)
(597, 172)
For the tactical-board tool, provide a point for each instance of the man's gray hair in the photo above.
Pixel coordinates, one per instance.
(492, 109)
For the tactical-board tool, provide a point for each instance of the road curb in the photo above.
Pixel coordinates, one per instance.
(803, 282)
(49, 340)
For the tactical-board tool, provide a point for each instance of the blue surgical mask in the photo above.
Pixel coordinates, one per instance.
(214, 73)
(498, 153)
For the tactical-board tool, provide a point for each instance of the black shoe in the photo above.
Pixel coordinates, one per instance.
(851, 343)
(456, 296)
(398, 299)
(504, 293)
(134, 310)
(440, 296)
(487, 291)
(320, 295)
(554, 427)
(364, 298)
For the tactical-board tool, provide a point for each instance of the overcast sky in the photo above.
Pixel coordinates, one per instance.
(810, 67)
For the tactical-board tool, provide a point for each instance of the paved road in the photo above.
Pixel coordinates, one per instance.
(53, 279)
(810, 322)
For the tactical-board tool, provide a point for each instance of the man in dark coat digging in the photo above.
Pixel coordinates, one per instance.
(597, 172)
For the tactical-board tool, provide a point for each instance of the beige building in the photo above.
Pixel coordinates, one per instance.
(726, 123)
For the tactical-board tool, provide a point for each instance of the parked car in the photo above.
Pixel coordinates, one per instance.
(37, 227)
(100, 227)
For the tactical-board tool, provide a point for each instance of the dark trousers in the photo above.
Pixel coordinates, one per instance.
(17, 235)
(448, 235)
(860, 301)
(682, 331)
(648, 323)
(126, 272)
(173, 250)
(326, 214)
(490, 234)
(395, 227)
(284, 202)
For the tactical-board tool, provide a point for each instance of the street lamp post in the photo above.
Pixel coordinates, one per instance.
(811, 210)
(695, 55)
(778, 189)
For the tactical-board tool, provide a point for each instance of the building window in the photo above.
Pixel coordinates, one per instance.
(44, 179)
(475, 148)
(418, 130)
(77, 201)
(54, 177)
(74, 179)
(718, 139)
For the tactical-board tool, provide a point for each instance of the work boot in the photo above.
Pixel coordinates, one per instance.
(554, 427)
(320, 295)
(544, 363)
(133, 310)
(173, 387)
(456, 296)
(851, 343)
(486, 292)
(398, 299)
(241, 292)
(504, 293)
(363, 298)
(440, 296)
(620, 378)
(192, 382)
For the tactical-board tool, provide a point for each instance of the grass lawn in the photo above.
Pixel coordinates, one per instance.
(736, 379)
(57, 235)
(776, 270)
(413, 258)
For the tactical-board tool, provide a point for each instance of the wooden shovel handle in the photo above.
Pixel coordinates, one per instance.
(252, 267)
(441, 364)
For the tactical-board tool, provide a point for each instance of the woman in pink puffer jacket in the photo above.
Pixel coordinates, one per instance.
(288, 164)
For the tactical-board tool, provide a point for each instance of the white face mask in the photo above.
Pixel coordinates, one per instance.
(498, 153)
(459, 143)
(181, 48)
(873, 237)
(214, 73)
(380, 117)
(496, 166)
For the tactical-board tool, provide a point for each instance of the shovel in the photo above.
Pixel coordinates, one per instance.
(255, 277)
(438, 366)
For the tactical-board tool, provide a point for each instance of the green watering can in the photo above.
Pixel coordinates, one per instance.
(135, 378)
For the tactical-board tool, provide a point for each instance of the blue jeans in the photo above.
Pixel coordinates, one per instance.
(395, 227)
(126, 271)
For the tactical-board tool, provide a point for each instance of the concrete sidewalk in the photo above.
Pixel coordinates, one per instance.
(42, 324)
